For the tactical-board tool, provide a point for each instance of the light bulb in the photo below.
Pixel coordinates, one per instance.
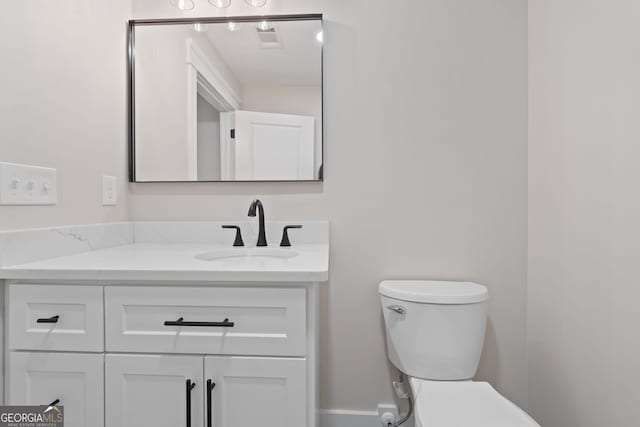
(319, 36)
(220, 3)
(183, 4)
(256, 3)
(263, 25)
(232, 26)
(198, 27)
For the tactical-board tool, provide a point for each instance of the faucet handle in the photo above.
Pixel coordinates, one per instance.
(238, 241)
(285, 235)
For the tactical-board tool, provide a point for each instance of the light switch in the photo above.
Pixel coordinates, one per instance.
(27, 185)
(109, 191)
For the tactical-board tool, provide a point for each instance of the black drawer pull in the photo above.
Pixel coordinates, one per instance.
(52, 319)
(210, 386)
(190, 385)
(54, 403)
(181, 322)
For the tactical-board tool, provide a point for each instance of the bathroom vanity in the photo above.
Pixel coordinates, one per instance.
(165, 324)
(152, 324)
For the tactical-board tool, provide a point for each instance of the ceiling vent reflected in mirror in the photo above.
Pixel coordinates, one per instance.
(269, 38)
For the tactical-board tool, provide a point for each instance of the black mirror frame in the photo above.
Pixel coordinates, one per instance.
(131, 53)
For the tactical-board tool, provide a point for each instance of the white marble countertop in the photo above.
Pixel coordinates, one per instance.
(175, 262)
(165, 252)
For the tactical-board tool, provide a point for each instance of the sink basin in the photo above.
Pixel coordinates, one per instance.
(248, 254)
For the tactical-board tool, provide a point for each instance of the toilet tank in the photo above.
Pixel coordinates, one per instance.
(435, 330)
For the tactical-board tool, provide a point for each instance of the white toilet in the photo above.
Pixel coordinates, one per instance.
(435, 333)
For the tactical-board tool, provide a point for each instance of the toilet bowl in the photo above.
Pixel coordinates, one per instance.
(464, 404)
(435, 333)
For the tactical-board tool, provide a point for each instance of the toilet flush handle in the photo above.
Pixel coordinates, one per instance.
(398, 309)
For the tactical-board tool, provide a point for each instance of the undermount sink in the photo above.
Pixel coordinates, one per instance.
(248, 254)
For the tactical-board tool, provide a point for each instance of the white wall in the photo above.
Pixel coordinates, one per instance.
(161, 103)
(208, 141)
(425, 166)
(584, 206)
(162, 123)
(63, 103)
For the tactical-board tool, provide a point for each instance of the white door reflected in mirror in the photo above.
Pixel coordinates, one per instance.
(273, 147)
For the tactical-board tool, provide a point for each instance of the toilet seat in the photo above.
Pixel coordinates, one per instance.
(464, 404)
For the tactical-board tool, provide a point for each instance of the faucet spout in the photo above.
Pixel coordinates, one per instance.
(257, 205)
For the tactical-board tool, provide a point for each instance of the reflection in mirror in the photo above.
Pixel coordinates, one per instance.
(221, 100)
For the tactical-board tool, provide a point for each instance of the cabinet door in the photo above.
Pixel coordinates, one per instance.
(256, 391)
(153, 391)
(75, 379)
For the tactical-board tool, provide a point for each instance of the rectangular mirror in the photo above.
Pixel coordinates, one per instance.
(226, 99)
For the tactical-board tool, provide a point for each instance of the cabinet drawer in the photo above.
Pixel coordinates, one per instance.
(247, 321)
(33, 324)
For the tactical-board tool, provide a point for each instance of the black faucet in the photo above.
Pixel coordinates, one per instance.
(262, 238)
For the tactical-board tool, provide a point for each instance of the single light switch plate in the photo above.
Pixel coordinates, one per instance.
(27, 185)
(109, 191)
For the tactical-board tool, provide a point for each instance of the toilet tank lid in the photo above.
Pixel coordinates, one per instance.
(434, 292)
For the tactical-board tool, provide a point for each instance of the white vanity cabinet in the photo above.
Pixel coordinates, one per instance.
(229, 391)
(165, 355)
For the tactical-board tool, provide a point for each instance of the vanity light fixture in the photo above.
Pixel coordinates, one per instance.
(183, 4)
(220, 3)
(189, 4)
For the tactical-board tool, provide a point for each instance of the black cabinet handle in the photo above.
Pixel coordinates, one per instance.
(190, 386)
(54, 403)
(210, 386)
(285, 235)
(238, 241)
(52, 319)
(181, 322)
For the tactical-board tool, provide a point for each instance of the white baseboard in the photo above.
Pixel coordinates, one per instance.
(346, 418)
